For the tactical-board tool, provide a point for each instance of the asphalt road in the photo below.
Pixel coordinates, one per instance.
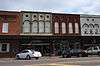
(52, 61)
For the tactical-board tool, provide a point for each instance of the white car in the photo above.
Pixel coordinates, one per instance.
(28, 54)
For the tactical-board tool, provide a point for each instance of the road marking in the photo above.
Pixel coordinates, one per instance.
(51, 65)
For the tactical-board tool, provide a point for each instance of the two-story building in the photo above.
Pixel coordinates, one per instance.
(9, 33)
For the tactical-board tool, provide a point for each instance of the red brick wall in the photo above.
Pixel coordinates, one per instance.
(65, 18)
(13, 26)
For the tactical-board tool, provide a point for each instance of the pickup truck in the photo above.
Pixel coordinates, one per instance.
(95, 50)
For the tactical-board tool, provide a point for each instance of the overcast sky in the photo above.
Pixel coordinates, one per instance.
(59, 6)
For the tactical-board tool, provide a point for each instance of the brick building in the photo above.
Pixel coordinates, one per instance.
(9, 33)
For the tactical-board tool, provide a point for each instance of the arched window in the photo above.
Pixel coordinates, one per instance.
(63, 27)
(85, 25)
(85, 28)
(26, 27)
(91, 26)
(34, 27)
(70, 28)
(76, 28)
(56, 27)
(41, 27)
(47, 27)
(96, 26)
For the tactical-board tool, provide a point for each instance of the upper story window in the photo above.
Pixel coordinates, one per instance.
(26, 27)
(5, 28)
(56, 27)
(47, 27)
(70, 28)
(41, 27)
(76, 28)
(34, 27)
(63, 27)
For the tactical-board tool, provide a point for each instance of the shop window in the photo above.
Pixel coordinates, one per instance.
(4, 47)
(56, 27)
(70, 28)
(47, 27)
(63, 27)
(41, 27)
(5, 28)
(26, 27)
(35, 27)
(76, 28)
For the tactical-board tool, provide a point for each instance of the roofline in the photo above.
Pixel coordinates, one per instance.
(10, 11)
(36, 12)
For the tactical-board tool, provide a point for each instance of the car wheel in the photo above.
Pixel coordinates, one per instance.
(17, 57)
(28, 57)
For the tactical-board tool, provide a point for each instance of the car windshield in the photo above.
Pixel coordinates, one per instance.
(24, 51)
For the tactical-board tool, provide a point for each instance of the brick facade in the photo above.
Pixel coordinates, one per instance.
(13, 20)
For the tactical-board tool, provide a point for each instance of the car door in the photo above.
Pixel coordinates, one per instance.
(23, 54)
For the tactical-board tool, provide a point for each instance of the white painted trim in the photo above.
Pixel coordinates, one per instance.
(8, 47)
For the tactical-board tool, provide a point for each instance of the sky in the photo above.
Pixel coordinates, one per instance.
(55, 6)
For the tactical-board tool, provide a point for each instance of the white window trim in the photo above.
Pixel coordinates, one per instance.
(8, 47)
(76, 28)
(56, 27)
(70, 28)
(36, 27)
(24, 27)
(5, 28)
(41, 28)
(63, 27)
(48, 27)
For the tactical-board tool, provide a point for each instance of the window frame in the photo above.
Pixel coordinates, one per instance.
(7, 48)
(5, 27)
(76, 27)
(63, 24)
(56, 26)
(70, 30)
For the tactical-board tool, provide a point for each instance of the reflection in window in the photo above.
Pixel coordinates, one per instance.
(76, 28)
(70, 28)
(26, 26)
(63, 27)
(34, 27)
(41, 26)
(47, 27)
(56, 27)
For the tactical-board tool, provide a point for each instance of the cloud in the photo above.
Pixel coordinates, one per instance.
(61, 6)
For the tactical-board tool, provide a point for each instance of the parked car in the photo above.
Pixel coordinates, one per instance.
(28, 54)
(74, 52)
(95, 50)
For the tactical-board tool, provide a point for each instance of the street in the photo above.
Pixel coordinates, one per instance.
(52, 61)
